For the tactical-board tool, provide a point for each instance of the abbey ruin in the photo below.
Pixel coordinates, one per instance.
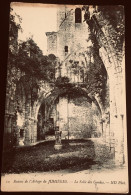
(85, 98)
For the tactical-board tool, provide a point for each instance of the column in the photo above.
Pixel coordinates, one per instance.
(27, 122)
(15, 130)
(27, 140)
(58, 144)
(35, 131)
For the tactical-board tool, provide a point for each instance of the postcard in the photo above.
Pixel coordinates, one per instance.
(65, 114)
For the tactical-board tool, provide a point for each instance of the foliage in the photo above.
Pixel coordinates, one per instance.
(62, 81)
(96, 79)
(96, 76)
(115, 14)
(113, 22)
(31, 60)
(13, 30)
(114, 17)
(13, 17)
(27, 59)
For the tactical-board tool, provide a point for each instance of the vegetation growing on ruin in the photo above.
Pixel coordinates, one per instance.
(112, 17)
(26, 59)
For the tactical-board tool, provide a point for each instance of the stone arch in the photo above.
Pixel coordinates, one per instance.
(19, 117)
(50, 98)
(57, 92)
(24, 113)
(112, 57)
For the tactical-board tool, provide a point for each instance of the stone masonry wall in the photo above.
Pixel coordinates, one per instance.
(78, 118)
(111, 56)
(51, 43)
(69, 34)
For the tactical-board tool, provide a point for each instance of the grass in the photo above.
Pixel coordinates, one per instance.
(43, 157)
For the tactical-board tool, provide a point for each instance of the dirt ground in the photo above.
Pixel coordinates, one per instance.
(75, 155)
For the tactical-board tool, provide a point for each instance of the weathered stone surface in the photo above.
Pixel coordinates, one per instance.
(79, 50)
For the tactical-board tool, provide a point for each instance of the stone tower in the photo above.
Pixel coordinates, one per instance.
(51, 43)
(71, 30)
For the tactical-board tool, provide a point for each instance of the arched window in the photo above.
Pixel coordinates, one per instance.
(77, 15)
(66, 48)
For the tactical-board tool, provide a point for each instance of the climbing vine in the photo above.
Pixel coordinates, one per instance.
(26, 59)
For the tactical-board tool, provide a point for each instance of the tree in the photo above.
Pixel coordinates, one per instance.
(28, 59)
(31, 60)
(12, 53)
(114, 18)
(13, 31)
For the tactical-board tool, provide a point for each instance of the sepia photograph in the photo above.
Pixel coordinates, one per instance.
(65, 111)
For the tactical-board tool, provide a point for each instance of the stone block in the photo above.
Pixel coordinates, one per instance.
(58, 146)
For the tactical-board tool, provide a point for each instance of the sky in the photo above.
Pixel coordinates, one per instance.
(36, 20)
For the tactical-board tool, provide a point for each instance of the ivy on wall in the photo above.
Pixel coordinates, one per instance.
(26, 59)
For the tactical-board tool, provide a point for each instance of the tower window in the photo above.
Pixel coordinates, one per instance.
(66, 48)
(77, 15)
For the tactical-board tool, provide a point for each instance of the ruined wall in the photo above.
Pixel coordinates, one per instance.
(74, 67)
(77, 118)
(70, 34)
(51, 43)
(111, 50)
(13, 76)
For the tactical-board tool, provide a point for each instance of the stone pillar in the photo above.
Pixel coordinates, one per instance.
(117, 130)
(9, 124)
(32, 131)
(102, 129)
(58, 144)
(9, 130)
(27, 140)
(7, 103)
(108, 128)
(17, 134)
(117, 89)
(31, 119)
(5, 123)
(119, 142)
(7, 133)
(35, 131)
(15, 130)
(113, 112)
(119, 133)
(113, 134)
(27, 125)
(21, 139)
(115, 71)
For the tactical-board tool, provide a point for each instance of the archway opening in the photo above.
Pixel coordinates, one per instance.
(77, 116)
(73, 112)
(41, 123)
(19, 119)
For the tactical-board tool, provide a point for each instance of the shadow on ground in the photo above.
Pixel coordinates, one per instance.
(75, 155)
